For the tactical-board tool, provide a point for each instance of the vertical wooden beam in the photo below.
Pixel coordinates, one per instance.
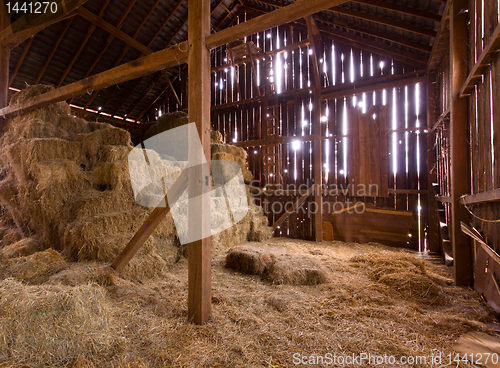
(199, 258)
(315, 45)
(462, 247)
(4, 75)
(433, 231)
(4, 62)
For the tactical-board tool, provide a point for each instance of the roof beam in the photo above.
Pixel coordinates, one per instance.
(135, 69)
(110, 38)
(83, 113)
(370, 18)
(363, 43)
(30, 24)
(385, 21)
(82, 46)
(126, 48)
(377, 34)
(112, 30)
(20, 61)
(442, 41)
(53, 50)
(403, 9)
(360, 42)
(272, 19)
(372, 84)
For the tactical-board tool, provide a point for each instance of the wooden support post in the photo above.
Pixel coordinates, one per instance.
(4, 75)
(462, 247)
(199, 258)
(4, 63)
(315, 40)
(433, 230)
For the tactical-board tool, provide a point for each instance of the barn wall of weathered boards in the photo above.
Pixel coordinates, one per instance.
(480, 91)
(374, 141)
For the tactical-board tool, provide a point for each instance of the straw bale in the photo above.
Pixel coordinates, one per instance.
(21, 248)
(216, 137)
(98, 237)
(93, 202)
(259, 228)
(93, 142)
(37, 128)
(229, 157)
(109, 153)
(47, 149)
(113, 176)
(166, 122)
(36, 268)
(295, 270)
(59, 108)
(52, 325)
(250, 261)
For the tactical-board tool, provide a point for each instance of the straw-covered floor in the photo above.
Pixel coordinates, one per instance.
(375, 300)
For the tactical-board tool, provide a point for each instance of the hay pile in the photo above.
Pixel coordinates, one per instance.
(276, 265)
(65, 185)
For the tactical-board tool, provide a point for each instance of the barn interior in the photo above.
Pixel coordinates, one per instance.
(254, 183)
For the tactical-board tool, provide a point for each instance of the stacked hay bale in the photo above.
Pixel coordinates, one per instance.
(65, 184)
(254, 226)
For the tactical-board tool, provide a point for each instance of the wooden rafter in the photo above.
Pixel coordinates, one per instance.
(76, 55)
(373, 32)
(371, 18)
(110, 39)
(403, 9)
(169, 82)
(147, 65)
(441, 43)
(20, 61)
(377, 19)
(127, 47)
(364, 30)
(370, 84)
(158, 97)
(272, 19)
(53, 50)
(360, 42)
(30, 24)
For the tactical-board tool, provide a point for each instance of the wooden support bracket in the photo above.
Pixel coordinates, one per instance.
(294, 207)
(151, 223)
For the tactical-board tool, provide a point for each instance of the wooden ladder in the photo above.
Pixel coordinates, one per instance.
(271, 110)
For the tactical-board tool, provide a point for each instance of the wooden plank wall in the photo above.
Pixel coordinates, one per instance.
(484, 118)
(237, 117)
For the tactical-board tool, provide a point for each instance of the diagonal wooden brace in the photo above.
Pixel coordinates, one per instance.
(151, 223)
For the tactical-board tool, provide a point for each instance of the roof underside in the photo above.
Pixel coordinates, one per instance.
(78, 47)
